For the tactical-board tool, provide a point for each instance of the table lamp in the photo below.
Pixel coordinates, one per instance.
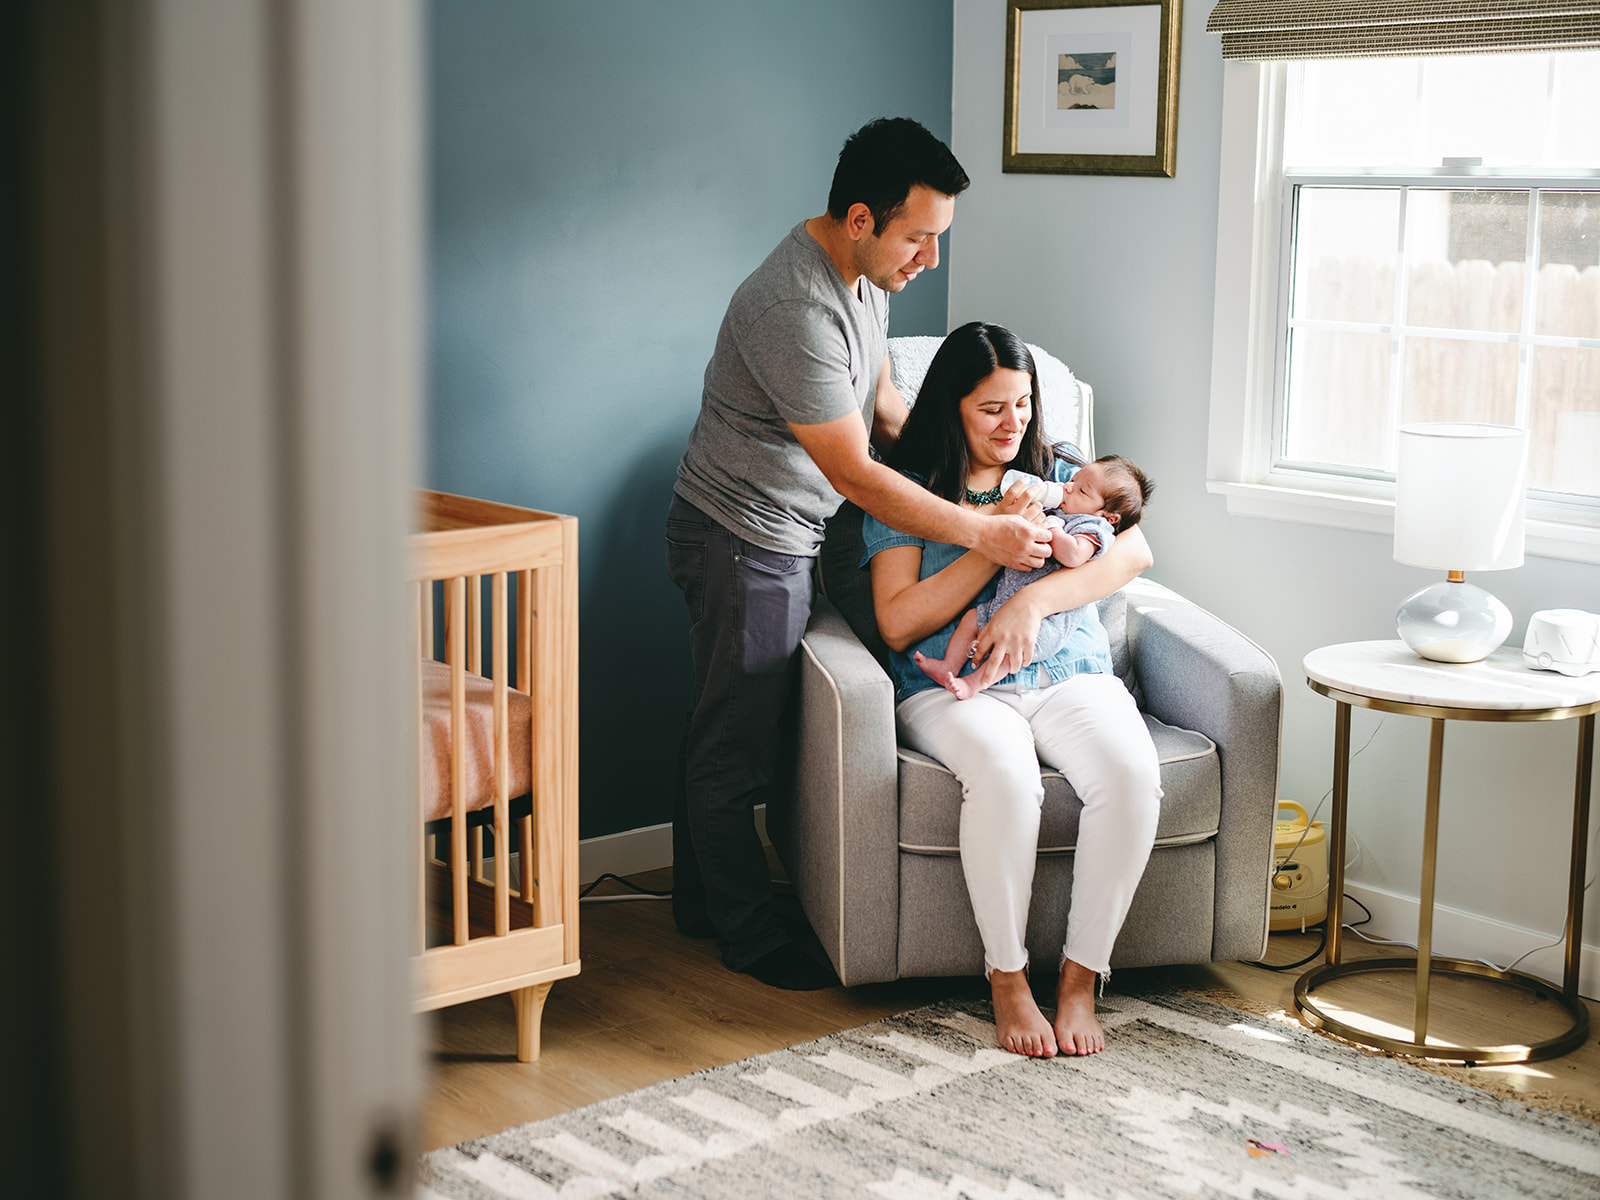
(1460, 496)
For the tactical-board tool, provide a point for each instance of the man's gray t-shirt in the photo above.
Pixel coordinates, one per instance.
(795, 346)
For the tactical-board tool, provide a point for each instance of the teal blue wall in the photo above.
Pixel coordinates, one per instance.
(603, 175)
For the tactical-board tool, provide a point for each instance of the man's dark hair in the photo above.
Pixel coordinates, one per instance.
(1128, 490)
(881, 162)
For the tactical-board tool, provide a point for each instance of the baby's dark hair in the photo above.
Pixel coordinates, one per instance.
(1128, 490)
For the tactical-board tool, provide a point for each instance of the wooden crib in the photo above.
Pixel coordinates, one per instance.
(497, 755)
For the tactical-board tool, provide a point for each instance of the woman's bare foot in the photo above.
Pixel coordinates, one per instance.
(1018, 1023)
(1076, 1029)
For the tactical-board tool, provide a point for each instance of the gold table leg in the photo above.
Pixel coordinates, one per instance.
(1580, 846)
(1430, 865)
(1425, 965)
(1341, 805)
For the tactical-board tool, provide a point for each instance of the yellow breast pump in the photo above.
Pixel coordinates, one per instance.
(1299, 893)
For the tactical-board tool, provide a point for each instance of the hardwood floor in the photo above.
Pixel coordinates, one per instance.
(651, 1005)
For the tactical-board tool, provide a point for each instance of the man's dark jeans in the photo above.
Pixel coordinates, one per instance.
(748, 608)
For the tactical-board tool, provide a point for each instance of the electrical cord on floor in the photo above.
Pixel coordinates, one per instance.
(779, 886)
(1322, 940)
(639, 892)
(1354, 926)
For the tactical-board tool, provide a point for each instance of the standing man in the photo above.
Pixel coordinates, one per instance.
(797, 385)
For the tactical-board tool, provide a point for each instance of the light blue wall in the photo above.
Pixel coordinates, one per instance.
(603, 176)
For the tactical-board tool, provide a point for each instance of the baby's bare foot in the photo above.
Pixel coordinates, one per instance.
(1076, 1029)
(961, 686)
(1018, 1024)
(946, 676)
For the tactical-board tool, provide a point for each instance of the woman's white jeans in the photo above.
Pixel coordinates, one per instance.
(1090, 730)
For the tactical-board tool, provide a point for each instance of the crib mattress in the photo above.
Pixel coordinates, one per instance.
(478, 764)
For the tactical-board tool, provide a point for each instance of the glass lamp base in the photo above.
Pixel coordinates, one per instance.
(1453, 622)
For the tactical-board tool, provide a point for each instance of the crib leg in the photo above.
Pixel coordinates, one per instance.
(529, 1003)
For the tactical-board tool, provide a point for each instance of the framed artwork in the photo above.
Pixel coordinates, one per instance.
(1091, 87)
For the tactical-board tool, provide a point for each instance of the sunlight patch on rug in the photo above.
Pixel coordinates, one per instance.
(1190, 1100)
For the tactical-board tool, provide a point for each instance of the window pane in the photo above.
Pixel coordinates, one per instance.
(1564, 431)
(1483, 107)
(1464, 254)
(1408, 112)
(1573, 139)
(1451, 380)
(1351, 112)
(1339, 399)
(1569, 265)
(1344, 254)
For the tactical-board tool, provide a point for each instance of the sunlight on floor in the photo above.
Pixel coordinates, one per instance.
(1367, 1023)
(1263, 1034)
(1517, 1072)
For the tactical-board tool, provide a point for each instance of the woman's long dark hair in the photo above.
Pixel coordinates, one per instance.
(933, 443)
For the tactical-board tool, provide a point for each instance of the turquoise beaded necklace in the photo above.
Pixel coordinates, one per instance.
(992, 496)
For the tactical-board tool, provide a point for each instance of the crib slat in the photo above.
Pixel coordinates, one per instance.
(475, 665)
(502, 757)
(525, 631)
(525, 624)
(475, 624)
(546, 746)
(427, 618)
(455, 634)
(529, 893)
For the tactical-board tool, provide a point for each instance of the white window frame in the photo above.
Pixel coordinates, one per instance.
(1250, 290)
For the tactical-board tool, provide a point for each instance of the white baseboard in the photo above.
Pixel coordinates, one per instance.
(635, 850)
(625, 853)
(1458, 934)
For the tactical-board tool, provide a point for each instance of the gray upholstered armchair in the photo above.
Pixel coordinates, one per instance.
(869, 835)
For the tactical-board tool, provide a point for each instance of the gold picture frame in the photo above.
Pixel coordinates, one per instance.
(1114, 67)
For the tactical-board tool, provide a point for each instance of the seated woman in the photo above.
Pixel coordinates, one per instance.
(976, 415)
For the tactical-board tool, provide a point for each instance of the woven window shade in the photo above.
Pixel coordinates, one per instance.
(1289, 29)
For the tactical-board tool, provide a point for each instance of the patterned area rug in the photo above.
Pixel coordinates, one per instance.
(1191, 1100)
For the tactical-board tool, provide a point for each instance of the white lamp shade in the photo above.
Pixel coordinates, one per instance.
(1460, 496)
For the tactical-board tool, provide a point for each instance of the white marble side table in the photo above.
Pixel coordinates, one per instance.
(1389, 677)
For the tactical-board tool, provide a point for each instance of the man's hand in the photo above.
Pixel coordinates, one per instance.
(1014, 541)
(839, 448)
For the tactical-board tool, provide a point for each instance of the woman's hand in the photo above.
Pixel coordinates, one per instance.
(1011, 634)
(1014, 629)
(1023, 500)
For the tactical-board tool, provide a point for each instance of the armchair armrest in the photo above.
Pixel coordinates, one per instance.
(843, 821)
(1198, 672)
